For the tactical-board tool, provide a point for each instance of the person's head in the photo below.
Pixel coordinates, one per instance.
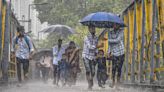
(64, 56)
(46, 54)
(37, 64)
(20, 31)
(72, 44)
(59, 42)
(92, 30)
(101, 52)
(115, 26)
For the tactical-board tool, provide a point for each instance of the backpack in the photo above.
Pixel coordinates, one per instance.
(26, 40)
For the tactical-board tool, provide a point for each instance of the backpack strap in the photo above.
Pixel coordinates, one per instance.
(26, 40)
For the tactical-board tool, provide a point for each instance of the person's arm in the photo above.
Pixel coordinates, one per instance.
(31, 45)
(13, 47)
(54, 51)
(41, 61)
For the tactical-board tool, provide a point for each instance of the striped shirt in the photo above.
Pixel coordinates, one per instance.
(89, 49)
(116, 45)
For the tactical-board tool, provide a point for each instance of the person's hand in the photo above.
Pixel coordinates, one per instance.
(109, 55)
(12, 54)
(93, 47)
(101, 45)
(30, 56)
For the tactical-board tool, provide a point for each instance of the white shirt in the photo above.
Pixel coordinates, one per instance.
(21, 49)
(46, 60)
(57, 54)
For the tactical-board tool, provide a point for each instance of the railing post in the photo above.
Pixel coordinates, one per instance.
(143, 41)
(157, 44)
(5, 56)
(152, 42)
(134, 47)
(127, 50)
(0, 30)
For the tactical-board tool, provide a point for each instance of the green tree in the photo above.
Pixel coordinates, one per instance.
(69, 12)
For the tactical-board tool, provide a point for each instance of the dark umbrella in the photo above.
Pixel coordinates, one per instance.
(102, 20)
(58, 28)
(37, 56)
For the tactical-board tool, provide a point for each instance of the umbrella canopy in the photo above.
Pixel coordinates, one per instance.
(65, 45)
(37, 56)
(58, 28)
(102, 20)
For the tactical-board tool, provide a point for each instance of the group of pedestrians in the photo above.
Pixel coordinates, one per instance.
(65, 63)
(92, 55)
(65, 60)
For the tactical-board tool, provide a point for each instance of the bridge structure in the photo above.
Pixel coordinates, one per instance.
(143, 39)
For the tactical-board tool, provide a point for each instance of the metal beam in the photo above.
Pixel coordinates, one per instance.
(152, 42)
(143, 41)
(157, 45)
(134, 46)
(127, 49)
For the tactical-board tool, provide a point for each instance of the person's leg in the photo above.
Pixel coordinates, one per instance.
(58, 74)
(55, 73)
(19, 70)
(74, 74)
(114, 66)
(119, 70)
(47, 69)
(88, 71)
(92, 67)
(25, 68)
(98, 77)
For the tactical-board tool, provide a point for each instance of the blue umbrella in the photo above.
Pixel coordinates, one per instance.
(102, 20)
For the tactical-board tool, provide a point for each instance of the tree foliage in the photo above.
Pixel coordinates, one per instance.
(69, 12)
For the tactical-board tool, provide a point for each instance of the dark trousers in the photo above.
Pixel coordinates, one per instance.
(56, 74)
(101, 76)
(45, 73)
(25, 63)
(117, 62)
(90, 71)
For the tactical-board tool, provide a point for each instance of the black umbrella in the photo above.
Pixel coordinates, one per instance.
(37, 56)
(58, 28)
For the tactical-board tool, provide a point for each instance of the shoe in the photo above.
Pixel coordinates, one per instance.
(112, 85)
(26, 76)
(102, 86)
(89, 88)
(54, 82)
(117, 88)
(19, 85)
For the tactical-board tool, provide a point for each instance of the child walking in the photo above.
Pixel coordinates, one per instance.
(101, 69)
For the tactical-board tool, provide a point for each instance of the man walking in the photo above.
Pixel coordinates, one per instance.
(116, 48)
(89, 55)
(22, 48)
(57, 56)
